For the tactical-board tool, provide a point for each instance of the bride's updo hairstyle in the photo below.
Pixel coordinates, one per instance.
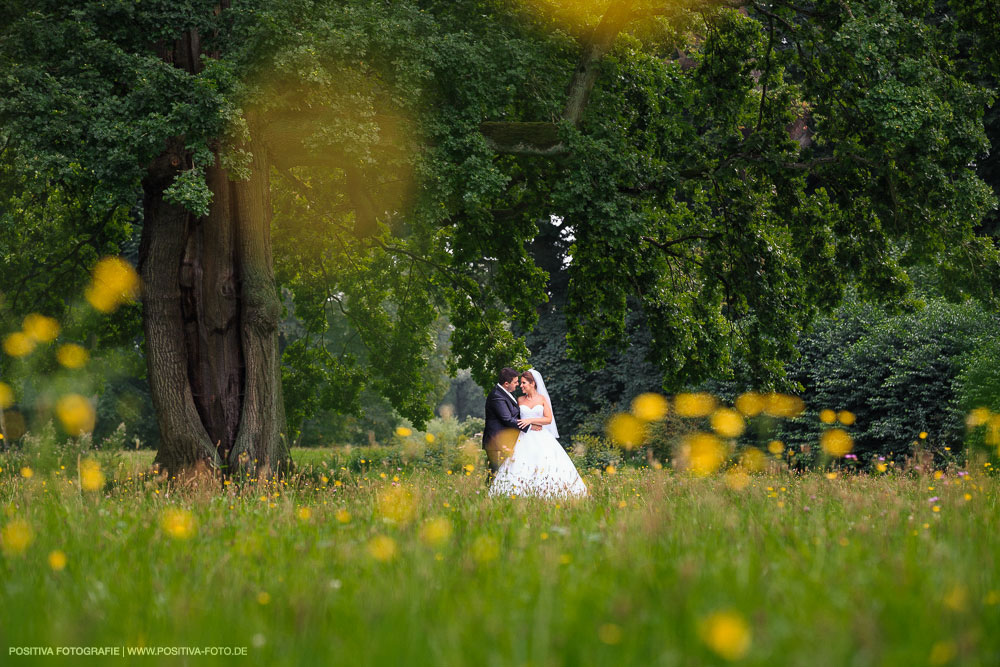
(526, 375)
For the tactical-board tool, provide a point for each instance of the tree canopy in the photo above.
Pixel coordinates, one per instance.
(723, 168)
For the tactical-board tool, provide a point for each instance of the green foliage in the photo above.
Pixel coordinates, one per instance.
(978, 383)
(687, 206)
(900, 374)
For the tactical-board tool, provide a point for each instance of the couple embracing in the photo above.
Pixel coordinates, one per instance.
(520, 439)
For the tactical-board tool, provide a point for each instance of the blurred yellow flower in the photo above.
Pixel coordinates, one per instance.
(783, 405)
(703, 452)
(728, 423)
(16, 537)
(626, 431)
(76, 414)
(836, 442)
(113, 282)
(57, 560)
(610, 634)
(178, 523)
(881, 467)
(72, 355)
(726, 633)
(750, 404)
(403, 432)
(263, 598)
(430, 437)
(436, 531)
(942, 653)
(27, 472)
(343, 516)
(40, 328)
(382, 548)
(91, 477)
(776, 447)
(304, 513)
(977, 417)
(753, 460)
(485, 548)
(923, 435)
(396, 504)
(694, 405)
(649, 407)
(6, 396)
(846, 417)
(827, 416)
(18, 344)
(737, 479)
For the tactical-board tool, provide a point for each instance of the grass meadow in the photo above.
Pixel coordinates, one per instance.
(420, 567)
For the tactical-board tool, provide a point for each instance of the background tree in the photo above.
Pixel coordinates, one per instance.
(402, 154)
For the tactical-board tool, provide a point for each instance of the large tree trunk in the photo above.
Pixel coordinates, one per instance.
(260, 442)
(184, 440)
(210, 314)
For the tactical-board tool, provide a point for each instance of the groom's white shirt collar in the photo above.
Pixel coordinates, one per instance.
(507, 392)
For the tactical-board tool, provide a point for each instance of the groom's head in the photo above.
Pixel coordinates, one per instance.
(508, 379)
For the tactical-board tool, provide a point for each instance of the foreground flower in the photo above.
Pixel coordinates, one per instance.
(16, 537)
(485, 549)
(649, 407)
(91, 477)
(436, 532)
(694, 405)
(57, 560)
(836, 442)
(18, 344)
(178, 523)
(72, 355)
(113, 283)
(76, 414)
(783, 405)
(846, 417)
(626, 431)
(728, 423)
(703, 452)
(403, 432)
(40, 328)
(397, 505)
(726, 633)
(753, 460)
(750, 404)
(610, 634)
(382, 548)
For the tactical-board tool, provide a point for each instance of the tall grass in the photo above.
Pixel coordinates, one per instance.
(426, 569)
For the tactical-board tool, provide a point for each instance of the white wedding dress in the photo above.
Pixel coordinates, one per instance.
(538, 466)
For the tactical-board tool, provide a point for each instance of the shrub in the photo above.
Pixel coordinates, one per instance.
(898, 374)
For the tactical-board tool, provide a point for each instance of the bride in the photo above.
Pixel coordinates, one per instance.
(538, 465)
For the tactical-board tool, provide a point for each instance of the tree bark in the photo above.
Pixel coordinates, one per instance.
(210, 305)
(211, 312)
(260, 443)
(184, 441)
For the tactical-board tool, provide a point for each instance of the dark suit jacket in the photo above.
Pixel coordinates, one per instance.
(501, 414)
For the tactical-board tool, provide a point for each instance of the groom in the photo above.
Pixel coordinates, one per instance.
(502, 413)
